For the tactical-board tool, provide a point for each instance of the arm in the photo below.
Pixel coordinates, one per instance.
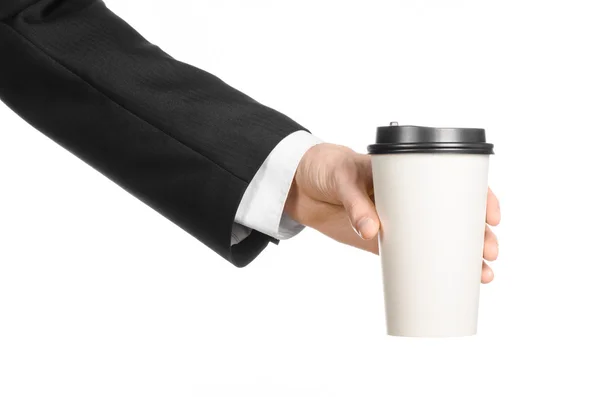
(176, 137)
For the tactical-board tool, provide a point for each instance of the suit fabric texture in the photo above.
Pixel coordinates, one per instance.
(176, 137)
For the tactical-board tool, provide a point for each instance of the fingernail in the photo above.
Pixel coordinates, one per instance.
(365, 227)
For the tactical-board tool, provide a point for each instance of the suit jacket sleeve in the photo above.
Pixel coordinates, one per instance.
(176, 137)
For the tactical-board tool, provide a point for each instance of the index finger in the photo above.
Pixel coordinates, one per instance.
(493, 209)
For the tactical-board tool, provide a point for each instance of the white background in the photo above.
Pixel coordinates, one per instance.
(99, 295)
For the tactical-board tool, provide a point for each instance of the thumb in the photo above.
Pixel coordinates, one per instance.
(360, 209)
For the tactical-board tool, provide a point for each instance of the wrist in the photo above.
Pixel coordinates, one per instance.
(298, 205)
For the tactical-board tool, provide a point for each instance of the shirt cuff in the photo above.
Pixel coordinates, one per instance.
(262, 206)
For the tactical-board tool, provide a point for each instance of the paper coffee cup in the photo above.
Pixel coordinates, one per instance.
(431, 193)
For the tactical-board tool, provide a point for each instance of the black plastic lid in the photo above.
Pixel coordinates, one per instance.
(414, 139)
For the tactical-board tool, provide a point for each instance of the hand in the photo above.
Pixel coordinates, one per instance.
(332, 192)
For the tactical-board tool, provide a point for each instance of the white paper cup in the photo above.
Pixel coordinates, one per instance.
(431, 193)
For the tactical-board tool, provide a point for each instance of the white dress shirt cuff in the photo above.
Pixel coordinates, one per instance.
(262, 206)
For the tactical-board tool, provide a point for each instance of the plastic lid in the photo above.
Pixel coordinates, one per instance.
(414, 139)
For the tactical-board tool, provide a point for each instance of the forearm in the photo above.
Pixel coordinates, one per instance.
(175, 136)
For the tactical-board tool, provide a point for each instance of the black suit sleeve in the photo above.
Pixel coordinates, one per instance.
(176, 137)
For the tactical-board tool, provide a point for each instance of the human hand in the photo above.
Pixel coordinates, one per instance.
(332, 192)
